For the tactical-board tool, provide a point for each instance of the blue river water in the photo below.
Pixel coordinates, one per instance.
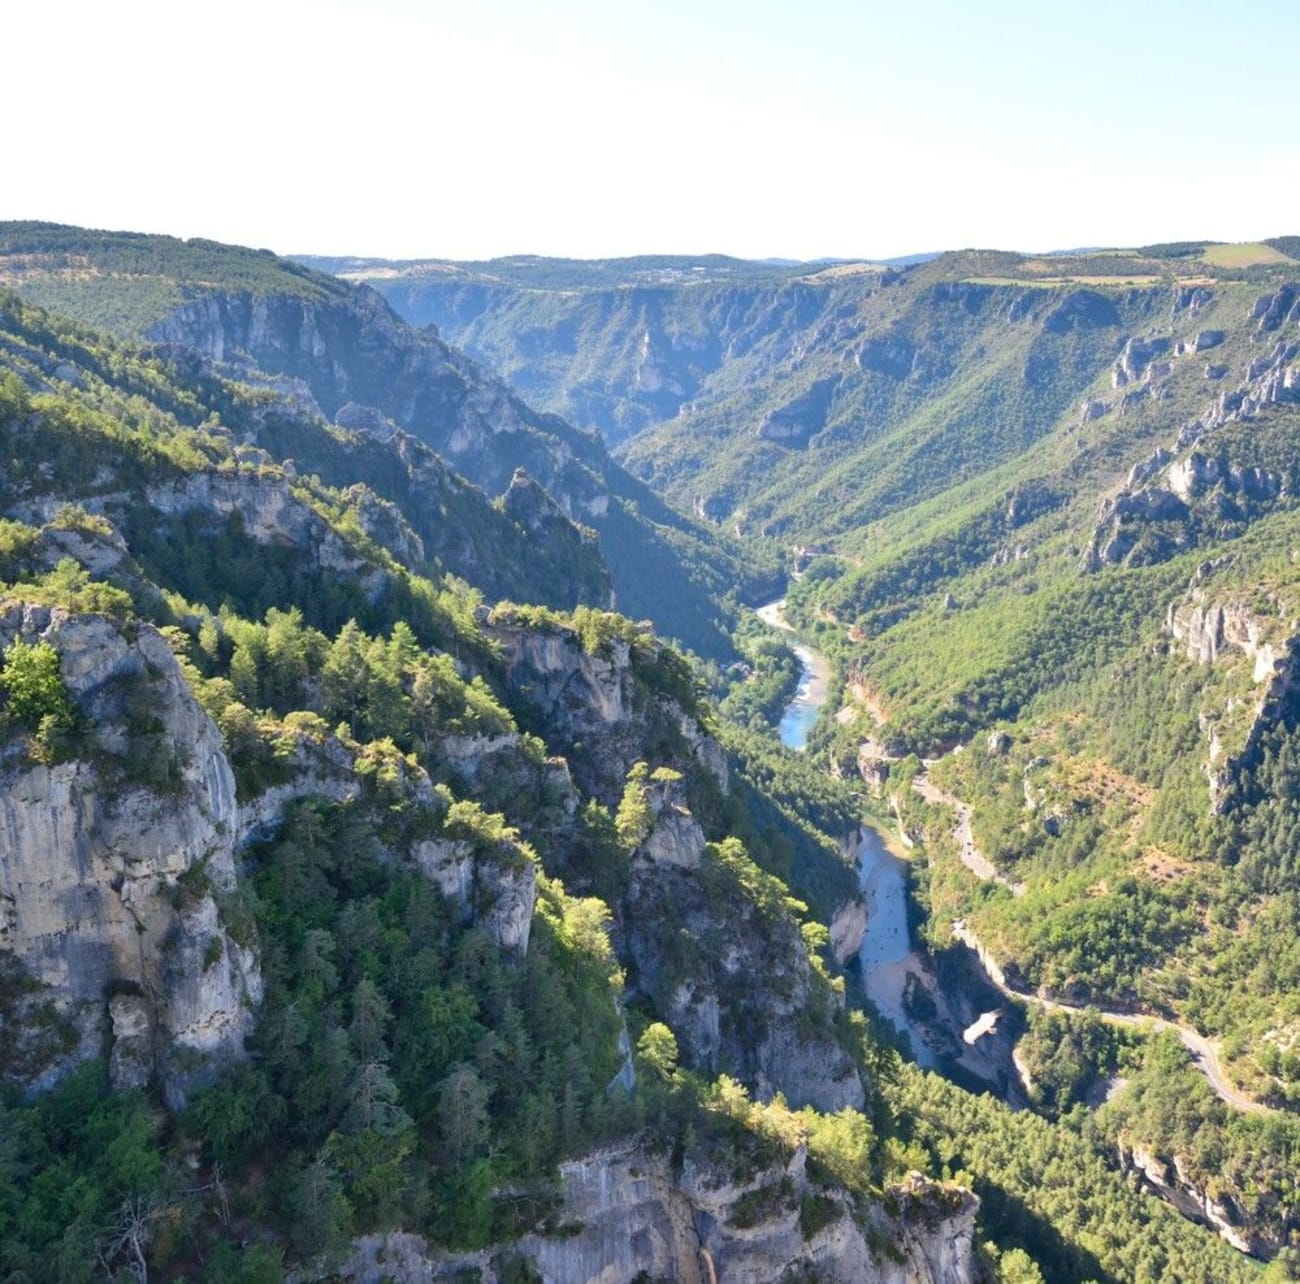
(806, 707)
(886, 953)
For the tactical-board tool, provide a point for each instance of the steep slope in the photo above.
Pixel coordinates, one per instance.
(809, 402)
(345, 355)
(193, 859)
(143, 820)
(616, 346)
(452, 1057)
(1046, 509)
(1103, 627)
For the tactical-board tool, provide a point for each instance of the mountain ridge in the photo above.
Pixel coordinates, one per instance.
(519, 893)
(340, 350)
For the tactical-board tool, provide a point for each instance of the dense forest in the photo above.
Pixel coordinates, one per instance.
(413, 883)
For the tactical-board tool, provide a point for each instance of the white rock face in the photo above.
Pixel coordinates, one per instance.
(848, 927)
(676, 839)
(675, 836)
(1210, 630)
(595, 699)
(632, 1218)
(272, 514)
(321, 769)
(497, 892)
(448, 862)
(1173, 1182)
(591, 688)
(110, 885)
(504, 897)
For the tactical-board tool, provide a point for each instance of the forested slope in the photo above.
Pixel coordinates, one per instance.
(351, 918)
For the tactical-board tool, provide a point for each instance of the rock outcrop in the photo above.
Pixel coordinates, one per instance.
(798, 420)
(1196, 473)
(848, 927)
(1260, 1231)
(1280, 308)
(271, 513)
(495, 888)
(601, 700)
(629, 1216)
(546, 524)
(1132, 363)
(264, 503)
(113, 864)
(1208, 630)
(357, 358)
(734, 982)
(675, 836)
(1270, 379)
(1124, 519)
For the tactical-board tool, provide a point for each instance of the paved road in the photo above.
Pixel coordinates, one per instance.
(1204, 1052)
(978, 864)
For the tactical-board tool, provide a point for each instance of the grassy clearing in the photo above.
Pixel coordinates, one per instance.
(1247, 254)
(1055, 282)
(840, 270)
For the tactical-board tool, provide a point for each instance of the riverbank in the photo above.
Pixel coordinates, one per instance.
(1204, 1053)
(814, 682)
(895, 978)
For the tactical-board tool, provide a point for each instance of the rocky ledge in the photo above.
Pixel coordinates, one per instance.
(627, 1215)
(115, 864)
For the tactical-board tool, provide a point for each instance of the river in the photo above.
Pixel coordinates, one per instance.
(814, 679)
(890, 968)
(886, 956)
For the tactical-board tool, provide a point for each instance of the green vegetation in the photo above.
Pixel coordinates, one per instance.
(1048, 1193)
(324, 592)
(664, 565)
(1288, 245)
(127, 282)
(36, 697)
(390, 1033)
(1247, 254)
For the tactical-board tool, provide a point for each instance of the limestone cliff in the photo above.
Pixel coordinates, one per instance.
(603, 700)
(546, 524)
(1212, 633)
(491, 884)
(731, 976)
(114, 863)
(263, 501)
(354, 355)
(1250, 1222)
(1147, 522)
(628, 1215)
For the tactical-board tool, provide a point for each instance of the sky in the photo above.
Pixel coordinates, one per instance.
(801, 129)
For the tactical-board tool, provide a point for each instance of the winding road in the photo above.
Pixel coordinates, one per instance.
(979, 865)
(1203, 1050)
(886, 954)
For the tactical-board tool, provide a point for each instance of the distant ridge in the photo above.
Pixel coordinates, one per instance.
(543, 272)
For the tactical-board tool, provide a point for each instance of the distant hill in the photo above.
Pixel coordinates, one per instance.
(1046, 510)
(350, 359)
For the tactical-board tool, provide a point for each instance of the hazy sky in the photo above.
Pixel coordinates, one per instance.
(796, 129)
